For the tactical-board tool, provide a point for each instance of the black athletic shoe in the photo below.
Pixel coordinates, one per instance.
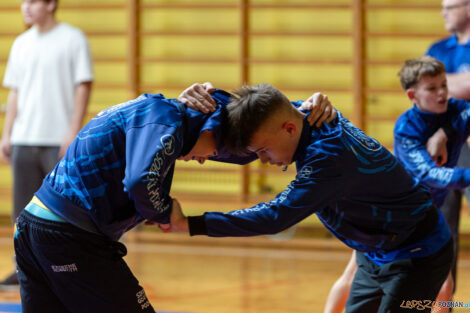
(10, 283)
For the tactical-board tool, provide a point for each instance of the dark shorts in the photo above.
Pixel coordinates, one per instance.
(408, 285)
(63, 269)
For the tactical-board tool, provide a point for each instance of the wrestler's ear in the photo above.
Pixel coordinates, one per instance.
(290, 128)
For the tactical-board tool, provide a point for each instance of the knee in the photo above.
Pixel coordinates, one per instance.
(446, 288)
(448, 285)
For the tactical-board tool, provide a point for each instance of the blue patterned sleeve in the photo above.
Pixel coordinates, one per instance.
(151, 152)
(461, 124)
(314, 187)
(412, 153)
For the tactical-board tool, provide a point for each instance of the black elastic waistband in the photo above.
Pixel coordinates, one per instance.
(25, 216)
(424, 227)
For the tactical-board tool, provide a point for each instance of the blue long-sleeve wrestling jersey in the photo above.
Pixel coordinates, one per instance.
(413, 129)
(119, 169)
(358, 190)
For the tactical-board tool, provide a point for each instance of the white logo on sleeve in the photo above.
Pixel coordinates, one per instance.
(360, 137)
(168, 143)
(305, 172)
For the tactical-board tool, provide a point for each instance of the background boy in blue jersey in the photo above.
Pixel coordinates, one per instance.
(116, 174)
(356, 187)
(424, 81)
(454, 52)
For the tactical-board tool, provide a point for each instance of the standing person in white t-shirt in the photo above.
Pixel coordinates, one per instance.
(49, 74)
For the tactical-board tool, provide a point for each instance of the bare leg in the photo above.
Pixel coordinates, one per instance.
(445, 294)
(339, 292)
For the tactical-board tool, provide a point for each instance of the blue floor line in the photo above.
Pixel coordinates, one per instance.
(10, 307)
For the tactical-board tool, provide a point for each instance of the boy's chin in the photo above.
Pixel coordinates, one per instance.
(442, 109)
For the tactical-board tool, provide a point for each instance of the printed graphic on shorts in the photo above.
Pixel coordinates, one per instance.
(142, 299)
(70, 268)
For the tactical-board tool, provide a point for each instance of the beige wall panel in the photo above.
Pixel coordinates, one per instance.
(5, 174)
(308, 20)
(305, 47)
(406, 21)
(103, 98)
(3, 67)
(190, 19)
(111, 73)
(404, 2)
(95, 20)
(85, 2)
(397, 49)
(342, 101)
(301, 2)
(11, 20)
(387, 105)
(205, 181)
(186, 74)
(3, 95)
(383, 76)
(191, 46)
(5, 46)
(177, 2)
(382, 131)
(312, 76)
(108, 47)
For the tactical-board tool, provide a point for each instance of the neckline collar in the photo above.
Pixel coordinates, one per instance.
(453, 41)
(424, 113)
(303, 140)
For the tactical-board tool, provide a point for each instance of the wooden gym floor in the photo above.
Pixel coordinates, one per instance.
(250, 275)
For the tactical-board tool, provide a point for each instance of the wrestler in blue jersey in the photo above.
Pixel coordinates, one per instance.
(358, 190)
(356, 187)
(412, 131)
(118, 171)
(116, 174)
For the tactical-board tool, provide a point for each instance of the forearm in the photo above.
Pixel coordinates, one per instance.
(459, 85)
(149, 183)
(419, 164)
(447, 178)
(261, 219)
(310, 190)
(150, 193)
(11, 112)
(82, 97)
(218, 224)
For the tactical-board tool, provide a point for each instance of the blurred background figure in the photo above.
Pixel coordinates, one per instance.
(49, 75)
(454, 53)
